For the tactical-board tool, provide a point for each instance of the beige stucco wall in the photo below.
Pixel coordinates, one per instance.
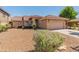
(19, 23)
(56, 24)
(16, 24)
(43, 24)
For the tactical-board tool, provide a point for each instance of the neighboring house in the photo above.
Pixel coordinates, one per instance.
(4, 17)
(72, 22)
(53, 22)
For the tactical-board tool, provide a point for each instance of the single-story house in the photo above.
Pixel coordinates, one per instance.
(4, 17)
(53, 22)
(47, 22)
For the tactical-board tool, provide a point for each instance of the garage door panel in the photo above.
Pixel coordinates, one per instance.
(55, 24)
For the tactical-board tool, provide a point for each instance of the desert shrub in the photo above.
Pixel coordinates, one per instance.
(47, 41)
(3, 28)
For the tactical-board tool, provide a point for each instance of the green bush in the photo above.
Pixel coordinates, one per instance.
(34, 25)
(47, 41)
(3, 28)
(74, 26)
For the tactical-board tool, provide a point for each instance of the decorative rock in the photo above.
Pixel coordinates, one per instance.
(62, 48)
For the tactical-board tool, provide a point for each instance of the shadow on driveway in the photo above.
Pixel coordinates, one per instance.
(74, 33)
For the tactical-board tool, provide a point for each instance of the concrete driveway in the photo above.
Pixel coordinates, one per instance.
(69, 32)
(71, 40)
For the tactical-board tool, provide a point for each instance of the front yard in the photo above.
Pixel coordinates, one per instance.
(71, 43)
(16, 40)
(22, 40)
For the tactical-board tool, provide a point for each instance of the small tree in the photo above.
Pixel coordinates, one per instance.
(68, 12)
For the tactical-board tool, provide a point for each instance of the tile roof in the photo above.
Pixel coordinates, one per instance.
(74, 20)
(26, 18)
(16, 18)
(4, 11)
(50, 17)
(36, 16)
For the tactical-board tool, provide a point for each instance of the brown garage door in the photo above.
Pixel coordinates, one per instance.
(54, 24)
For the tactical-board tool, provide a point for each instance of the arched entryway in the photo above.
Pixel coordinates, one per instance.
(11, 24)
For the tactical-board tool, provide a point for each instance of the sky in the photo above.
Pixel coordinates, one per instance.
(35, 10)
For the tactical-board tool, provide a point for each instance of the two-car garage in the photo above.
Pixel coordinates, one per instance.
(53, 22)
